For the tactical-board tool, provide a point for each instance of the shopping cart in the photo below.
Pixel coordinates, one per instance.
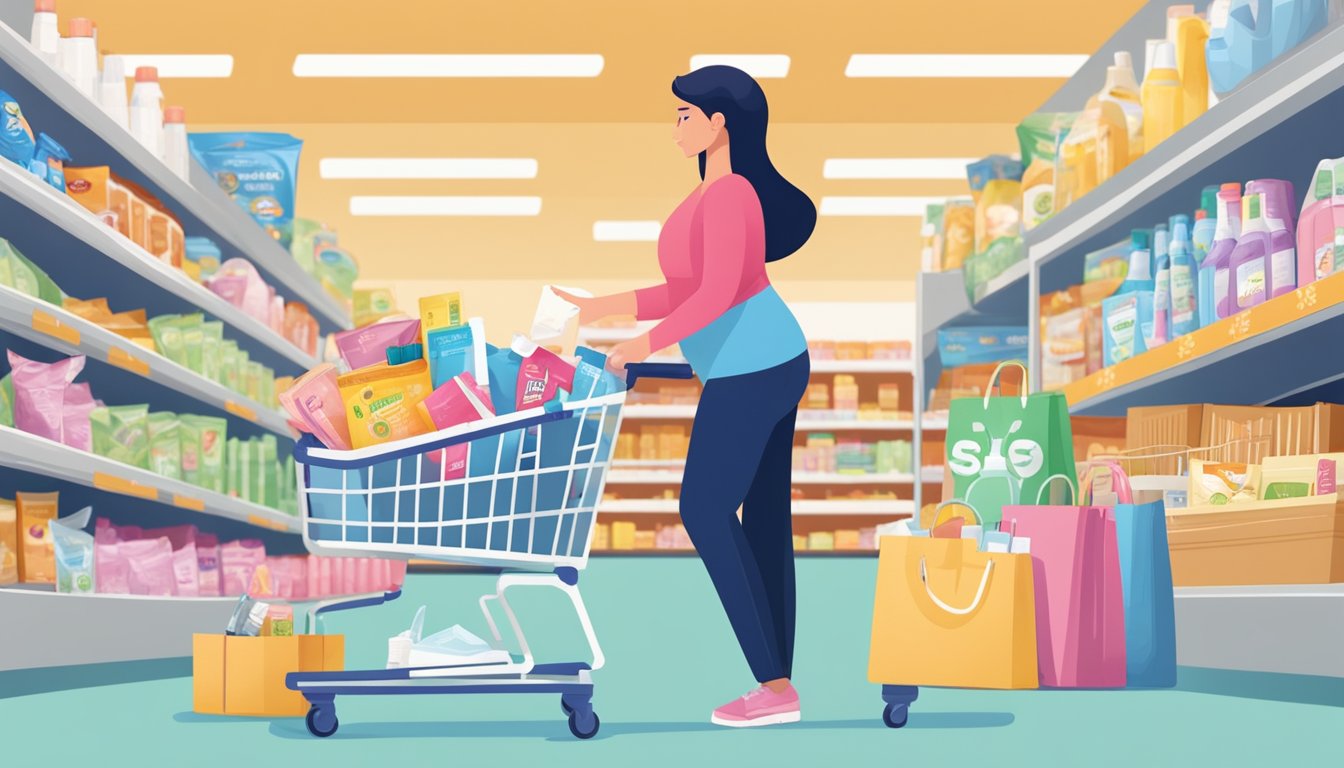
(525, 500)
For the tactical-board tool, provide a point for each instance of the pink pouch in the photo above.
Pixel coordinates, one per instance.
(298, 572)
(187, 571)
(207, 564)
(398, 573)
(349, 576)
(315, 400)
(75, 429)
(237, 562)
(151, 566)
(325, 574)
(314, 577)
(459, 401)
(111, 571)
(239, 283)
(364, 576)
(368, 345)
(39, 393)
(542, 373)
(279, 568)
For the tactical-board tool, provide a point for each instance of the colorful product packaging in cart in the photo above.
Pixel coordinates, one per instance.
(380, 402)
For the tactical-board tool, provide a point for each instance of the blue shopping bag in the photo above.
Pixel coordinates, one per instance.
(1145, 576)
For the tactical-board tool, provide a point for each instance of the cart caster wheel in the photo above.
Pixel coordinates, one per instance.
(896, 716)
(322, 721)
(584, 727)
(568, 710)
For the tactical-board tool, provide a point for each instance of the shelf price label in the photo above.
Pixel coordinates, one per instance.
(187, 502)
(105, 482)
(241, 411)
(45, 322)
(265, 522)
(123, 359)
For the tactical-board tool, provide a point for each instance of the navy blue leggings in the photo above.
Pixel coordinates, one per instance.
(741, 454)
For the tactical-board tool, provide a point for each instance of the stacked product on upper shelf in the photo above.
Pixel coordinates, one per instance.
(980, 234)
(969, 356)
(1244, 246)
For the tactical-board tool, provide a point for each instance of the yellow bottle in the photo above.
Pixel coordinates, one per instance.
(1162, 98)
(1112, 139)
(1192, 33)
(1123, 89)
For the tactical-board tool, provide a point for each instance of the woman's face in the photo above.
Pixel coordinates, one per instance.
(695, 132)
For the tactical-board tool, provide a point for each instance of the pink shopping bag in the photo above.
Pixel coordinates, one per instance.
(1080, 612)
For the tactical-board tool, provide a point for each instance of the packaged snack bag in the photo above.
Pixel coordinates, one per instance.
(380, 402)
(165, 445)
(150, 566)
(958, 233)
(207, 564)
(37, 558)
(259, 171)
(238, 562)
(121, 433)
(367, 346)
(73, 552)
(39, 393)
(16, 138)
(239, 283)
(76, 430)
(207, 435)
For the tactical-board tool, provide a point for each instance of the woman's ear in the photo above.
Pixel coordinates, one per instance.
(718, 121)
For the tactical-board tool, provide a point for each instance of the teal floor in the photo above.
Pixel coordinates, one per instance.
(670, 659)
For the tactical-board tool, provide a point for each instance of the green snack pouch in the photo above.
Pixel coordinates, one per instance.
(17, 272)
(245, 471)
(121, 433)
(240, 363)
(268, 397)
(228, 364)
(167, 336)
(210, 438)
(253, 389)
(193, 340)
(189, 436)
(212, 335)
(165, 445)
(7, 401)
(231, 464)
(270, 472)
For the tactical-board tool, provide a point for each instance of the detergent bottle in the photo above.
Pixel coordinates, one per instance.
(1161, 319)
(1281, 268)
(1241, 45)
(1123, 89)
(1247, 266)
(1140, 274)
(1112, 139)
(1201, 241)
(1191, 35)
(1322, 215)
(1162, 97)
(1184, 295)
(1224, 243)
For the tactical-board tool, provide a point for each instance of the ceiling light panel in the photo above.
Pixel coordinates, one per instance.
(896, 168)
(626, 231)
(876, 206)
(180, 65)
(447, 65)
(922, 65)
(392, 205)
(428, 168)
(766, 65)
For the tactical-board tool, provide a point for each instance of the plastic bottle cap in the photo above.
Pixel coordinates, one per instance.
(1201, 214)
(81, 27)
(174, 114)
(1165, 56)
(146, 74)
(1123, 60)
(44, 6)
(1231, 186)
(1177, 11)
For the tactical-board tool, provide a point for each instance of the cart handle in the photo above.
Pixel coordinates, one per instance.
(636, 371)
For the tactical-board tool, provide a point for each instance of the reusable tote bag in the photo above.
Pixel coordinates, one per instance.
(1145, 574)
(1080, 613)
(1001, 450)
(947, 614)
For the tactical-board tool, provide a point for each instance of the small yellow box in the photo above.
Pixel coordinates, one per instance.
(821, 541)
(622, 535)
(847, 539)
(246, 675)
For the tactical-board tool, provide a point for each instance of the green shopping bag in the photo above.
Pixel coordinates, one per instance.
(1004, 451)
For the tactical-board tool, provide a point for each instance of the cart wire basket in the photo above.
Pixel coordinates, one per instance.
(518, 492)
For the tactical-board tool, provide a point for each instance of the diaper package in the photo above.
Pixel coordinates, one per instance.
(73, 552)
(366, 346)
(259, 171)
(37, 558)
(455, 350)
(16, 138)
(380, 402)
(39, 393)
(121, 433)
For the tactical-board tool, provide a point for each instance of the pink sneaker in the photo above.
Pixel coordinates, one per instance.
(760, 707)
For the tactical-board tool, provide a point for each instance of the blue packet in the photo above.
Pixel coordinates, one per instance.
(203, 258)
(404, 354)
(49, 159)
(588, 379)
(983, 344)
(16, 138)
(503, 365)
(449, 352)
(259, 171)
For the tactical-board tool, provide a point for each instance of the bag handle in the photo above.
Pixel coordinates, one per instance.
(957, 502)
(994, 377)
(1119, 480)
(979, 592)
(1073, 489)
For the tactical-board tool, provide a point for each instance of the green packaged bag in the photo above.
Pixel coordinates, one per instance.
(253, 388)
(983, 267)
(246, 473)
(270, 472)
(268, 397)
(17, 272)
(206, 437)
(193, 339)
(240, 363)
(228, 364)
(212, 334)
(234, 488)
(165, 445)
(121, 433)
(167, 334)
(7, 401)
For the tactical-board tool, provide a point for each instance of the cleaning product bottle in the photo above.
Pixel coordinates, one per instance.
(1322, 211)
(46, 34)
(79, 57)
(1192, 33)
(1112, 147)
(1162, 98)
(1161, 320)
(1140, 274)
(1247, 266)
(1277, 198)
(1123, 89)
(1201, 241)
(1184, 296)
(1224, 243)
(112, 90)
(175, 152)
(147, 110)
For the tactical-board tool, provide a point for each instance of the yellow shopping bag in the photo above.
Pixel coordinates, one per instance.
(947, 614)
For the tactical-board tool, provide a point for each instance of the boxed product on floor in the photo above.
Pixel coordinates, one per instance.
(1280, 541)
(236, 675)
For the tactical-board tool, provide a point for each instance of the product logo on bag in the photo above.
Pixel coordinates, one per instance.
(79, 186)
(1023, 457)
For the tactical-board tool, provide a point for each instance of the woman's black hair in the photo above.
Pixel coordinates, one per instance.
(789, 214)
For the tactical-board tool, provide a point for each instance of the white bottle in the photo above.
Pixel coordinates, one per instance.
(79, 56)
(46, 34)
(112, 91)
(175, 152)
(147, 110)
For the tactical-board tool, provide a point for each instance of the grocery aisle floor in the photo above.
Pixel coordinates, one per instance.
(671, 658)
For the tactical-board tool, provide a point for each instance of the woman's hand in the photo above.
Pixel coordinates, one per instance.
(591, 310)
(636, 350)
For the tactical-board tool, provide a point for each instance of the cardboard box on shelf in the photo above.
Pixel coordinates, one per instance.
(622, 535)
(846, 539)
(1255, 432)
(1161, 429)
(1098, 436)
(645, 540)
(1285, 541)
(800, 543)
(246, 675)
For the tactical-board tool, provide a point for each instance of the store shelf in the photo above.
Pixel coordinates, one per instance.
(931, 474)
(54, 105)
(863, 366)
(673, 477)
(1280, 629)
(29, 453)
(57, 329)
(810, 507)
(1235, 360)
(52, 209)
(693, 553)
(934, 423)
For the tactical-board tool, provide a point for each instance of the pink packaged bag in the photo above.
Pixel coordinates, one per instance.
(364, 576)
(368, 345)
(75, 429)
(398, 573)
(238, 282)
(237, 562)
(542, 372)
(314, 577)
(111, 571)
(349, 577)
(325, 572)
(1080, 611)
(39, 393)
(459, 401)
(314, 400)
(207, 564)
(151, 566)
(298, 572)
(279, 568)
(276, 320)
(186, 560)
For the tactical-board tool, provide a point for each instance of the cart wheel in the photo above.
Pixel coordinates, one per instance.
(584, 727)
(896, 715)
(564, 705)
(322, 721)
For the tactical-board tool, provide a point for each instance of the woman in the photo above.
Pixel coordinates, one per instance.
(749, 351)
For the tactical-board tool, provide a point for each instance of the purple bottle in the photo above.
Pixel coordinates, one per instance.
(1224, 242)
(1281, 265)
(1248, 266)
